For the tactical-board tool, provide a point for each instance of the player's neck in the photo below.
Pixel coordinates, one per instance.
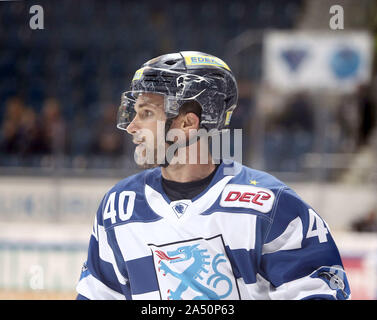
(188, 172)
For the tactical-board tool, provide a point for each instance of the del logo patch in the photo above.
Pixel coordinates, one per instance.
(245, 196)
(196, 269)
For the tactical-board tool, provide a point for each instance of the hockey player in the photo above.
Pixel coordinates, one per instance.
(191, 230)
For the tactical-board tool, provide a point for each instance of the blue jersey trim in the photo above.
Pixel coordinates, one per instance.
(319, 297)
(119, 261)
(243, 264)
(154, 179)
(144, 278)
(81, 297)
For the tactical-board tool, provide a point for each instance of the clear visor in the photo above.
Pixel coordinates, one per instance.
(139, 99)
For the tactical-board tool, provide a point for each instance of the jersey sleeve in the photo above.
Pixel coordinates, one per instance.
(100, 277)
(299, 257)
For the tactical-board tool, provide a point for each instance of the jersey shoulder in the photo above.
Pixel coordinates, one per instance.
(117, 206)
(257, 178)
(284, 194)
(252, 191)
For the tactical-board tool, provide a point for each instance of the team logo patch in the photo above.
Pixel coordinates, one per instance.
(335, 278)
(196, 269)
(245, 196)
(179, 207)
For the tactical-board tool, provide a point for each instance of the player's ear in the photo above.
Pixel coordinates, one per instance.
(191, 113)
(190, 121)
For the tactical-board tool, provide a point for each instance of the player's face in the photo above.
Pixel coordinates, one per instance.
(150, 115)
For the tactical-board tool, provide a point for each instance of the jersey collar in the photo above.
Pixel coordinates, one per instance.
(161, 204)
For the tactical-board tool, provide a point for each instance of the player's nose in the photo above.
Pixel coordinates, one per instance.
(132, 127)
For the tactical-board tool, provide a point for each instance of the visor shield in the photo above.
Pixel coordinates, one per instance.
(126, 111)
(129, 99)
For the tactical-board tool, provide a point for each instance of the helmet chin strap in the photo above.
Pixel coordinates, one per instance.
(186, 143)
(167, 128)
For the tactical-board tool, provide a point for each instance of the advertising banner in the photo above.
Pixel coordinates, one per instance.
(338, 60)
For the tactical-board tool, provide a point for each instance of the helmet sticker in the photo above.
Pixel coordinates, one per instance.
(187, 81)
(138, 74)
(228, 116)
(205, 60)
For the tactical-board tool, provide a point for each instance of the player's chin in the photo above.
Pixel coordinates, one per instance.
(144, 159)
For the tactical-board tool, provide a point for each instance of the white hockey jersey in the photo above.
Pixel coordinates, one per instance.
(246, 236)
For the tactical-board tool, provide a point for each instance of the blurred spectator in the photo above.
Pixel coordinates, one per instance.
(290, 133)
(31, 139)
(108, 139)
(54, 128)
(367, 223)
(298, 114)
(80, 134)
(348, 117)
(10, 134)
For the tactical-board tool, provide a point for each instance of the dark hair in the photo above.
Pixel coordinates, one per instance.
(191, 106)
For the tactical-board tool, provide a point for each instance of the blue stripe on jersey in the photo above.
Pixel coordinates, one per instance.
(102, 270)
(126, 290)
(143, 280)
(288, 206)
(288, 265)
(243, 264)
(319, 297)
(119, 261)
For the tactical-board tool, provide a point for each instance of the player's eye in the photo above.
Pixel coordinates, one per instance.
(146, 114)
